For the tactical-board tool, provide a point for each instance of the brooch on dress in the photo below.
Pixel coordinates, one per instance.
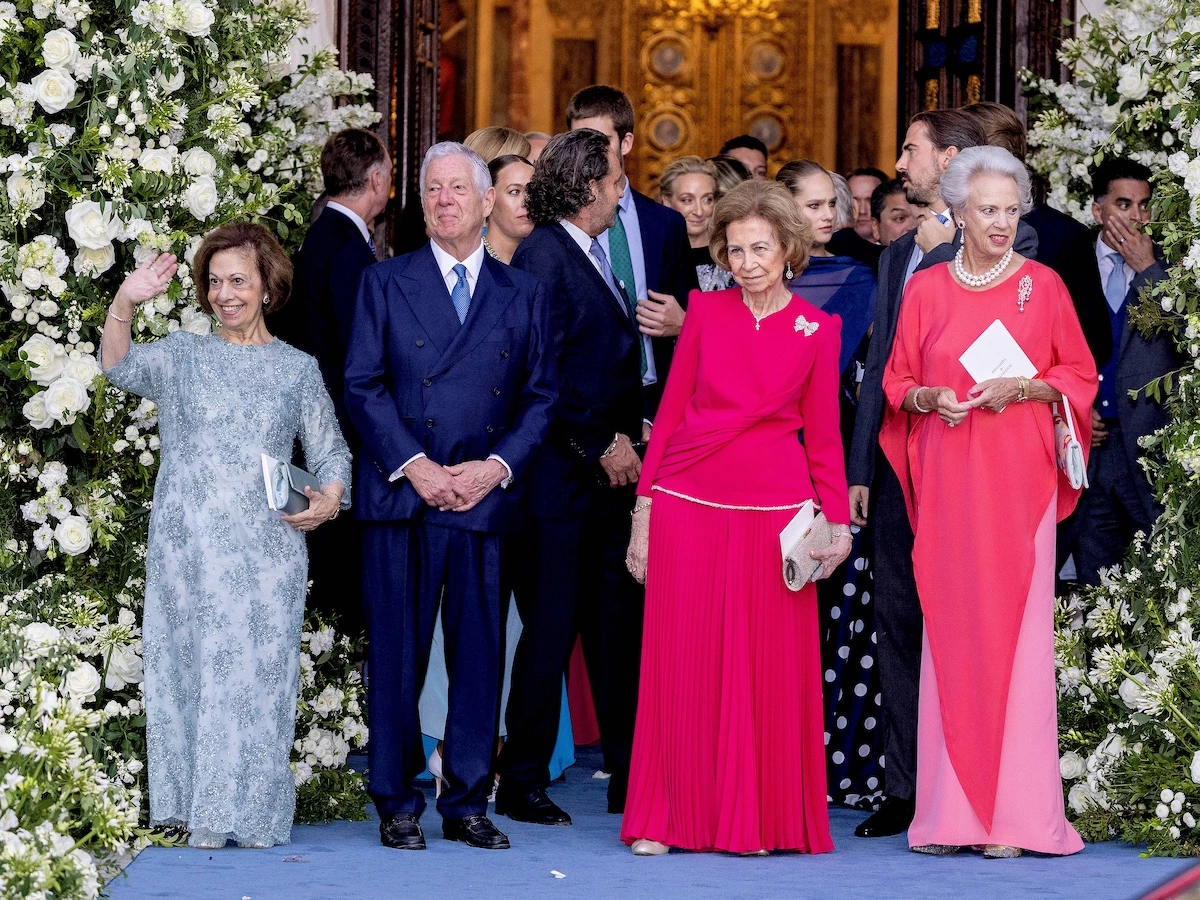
(809, 328)
(1024, 289)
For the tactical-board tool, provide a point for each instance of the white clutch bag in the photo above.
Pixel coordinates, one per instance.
(1066, 445)
(809, 530)
(285, 485)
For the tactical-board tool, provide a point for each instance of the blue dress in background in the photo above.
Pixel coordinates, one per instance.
(225, 577)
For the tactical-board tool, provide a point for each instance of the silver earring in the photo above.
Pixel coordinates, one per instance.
(962, 223)
(787, 272)
(266, 299)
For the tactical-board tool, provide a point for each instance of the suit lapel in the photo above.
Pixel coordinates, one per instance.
(589, 268)
(425, 290)
(493, 293)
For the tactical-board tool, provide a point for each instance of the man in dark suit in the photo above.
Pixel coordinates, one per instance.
(933, 139)
(647, 246)
(328, 267)
(581, 482)
(1119, 501)
(449, 385)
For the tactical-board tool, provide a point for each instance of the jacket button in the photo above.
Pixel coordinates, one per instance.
(496, 391)
(429, 423)
(420, 343)
(490, 429)
(504, 354)
(427, 382)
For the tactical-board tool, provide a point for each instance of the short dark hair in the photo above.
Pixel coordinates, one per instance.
(881, 193)
(346, 161)
(744, 142)
(1002, 126)
(951, 128)
(500, 163)
(274, 267)
(602, 100)
(1113, 169)
(562, 179)
(868, 172)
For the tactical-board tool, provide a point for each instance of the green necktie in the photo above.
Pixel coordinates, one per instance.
(622, 266)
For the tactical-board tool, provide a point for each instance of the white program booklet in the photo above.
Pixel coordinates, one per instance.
(996, 354)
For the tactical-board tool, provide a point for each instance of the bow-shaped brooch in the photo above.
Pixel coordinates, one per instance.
(809, 328)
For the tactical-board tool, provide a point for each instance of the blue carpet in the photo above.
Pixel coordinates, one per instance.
(344, 861)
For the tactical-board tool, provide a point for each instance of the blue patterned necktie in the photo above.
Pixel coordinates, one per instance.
(1114, 289)
(461, 295)
(371, 244)
(606, 271)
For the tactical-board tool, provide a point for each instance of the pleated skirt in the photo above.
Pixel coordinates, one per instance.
(728, 750)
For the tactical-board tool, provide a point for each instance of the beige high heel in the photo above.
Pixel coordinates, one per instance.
(435, 769)
(647, 847)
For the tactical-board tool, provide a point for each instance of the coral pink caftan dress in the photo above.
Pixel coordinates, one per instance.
(728, 751)
(983, 499)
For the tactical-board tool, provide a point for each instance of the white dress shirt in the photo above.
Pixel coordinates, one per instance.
(446, 263)
(918, 254)
(353, 217)
(1106, 259)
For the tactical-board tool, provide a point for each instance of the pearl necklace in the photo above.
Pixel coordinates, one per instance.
(987, 277)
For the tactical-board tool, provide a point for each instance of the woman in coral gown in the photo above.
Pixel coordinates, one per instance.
(977, 462)
(728, 750)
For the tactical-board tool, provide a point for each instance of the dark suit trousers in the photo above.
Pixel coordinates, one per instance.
(571, 577)
(1111, 509)
(898, 629)
(407, 569)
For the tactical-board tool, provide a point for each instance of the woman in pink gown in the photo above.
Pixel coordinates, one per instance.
(978, 465)
(728, 751)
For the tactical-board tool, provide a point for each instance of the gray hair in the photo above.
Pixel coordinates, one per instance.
(845, 202)
(956, 180)
(479, 169)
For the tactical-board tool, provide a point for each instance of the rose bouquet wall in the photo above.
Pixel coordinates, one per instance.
(127, 127)
(1128, 652)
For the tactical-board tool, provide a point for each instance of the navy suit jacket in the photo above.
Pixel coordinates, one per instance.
(893, 263)
(598, 374)
(419, 382)
(328, 267)
(669, 270)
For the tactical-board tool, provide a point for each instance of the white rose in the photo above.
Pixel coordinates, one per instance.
(198, 161)
(201, 197)
(85, 369)
(46, 358)
(25, 190)
(39, 636)
(1195, 770)
(53, 89)
(1132, 83)
(98, 261)
(65, 398)
(172, 84)
(1132, 690)
(82, 682)
(124, 667)
(1071, 766)
(194, 320)
(1081, 797)
(32, 278)
(92, 227)
(59, 49)
(74, 535)
(193, 17)
(156, 161)
(112, 708)
(8, 744)
(35, 411)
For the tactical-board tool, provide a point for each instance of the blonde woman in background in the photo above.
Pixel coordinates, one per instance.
(689, 186)
(496, 140)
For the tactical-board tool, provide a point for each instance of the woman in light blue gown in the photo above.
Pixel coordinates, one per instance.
(225, 574)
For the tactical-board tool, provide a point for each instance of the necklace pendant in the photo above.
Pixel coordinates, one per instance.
(758, 324)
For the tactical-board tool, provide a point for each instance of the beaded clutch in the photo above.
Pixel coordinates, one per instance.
(809, 530)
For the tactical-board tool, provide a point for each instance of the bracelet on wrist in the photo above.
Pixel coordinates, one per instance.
(118, 318)
(640, 507)
(917, 403)
(1022, 388)
(611, 447)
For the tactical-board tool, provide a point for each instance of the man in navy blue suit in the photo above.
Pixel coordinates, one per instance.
(572, 552)
(328, 267)
(450, 385)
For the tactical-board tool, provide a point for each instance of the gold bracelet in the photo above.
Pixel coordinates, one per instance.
(1022, 388)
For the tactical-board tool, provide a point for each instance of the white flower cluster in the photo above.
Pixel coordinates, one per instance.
(329, 714)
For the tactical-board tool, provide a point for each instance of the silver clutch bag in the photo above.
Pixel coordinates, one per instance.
(809, 530)
(285, 485)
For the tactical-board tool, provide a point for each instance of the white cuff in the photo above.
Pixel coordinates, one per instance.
(399, 473)
(507, 481)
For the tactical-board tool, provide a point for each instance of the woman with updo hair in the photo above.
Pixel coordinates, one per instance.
(689, 186)
(225, 574)
(729, 750)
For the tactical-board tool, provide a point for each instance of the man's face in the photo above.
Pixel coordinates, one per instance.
(896, 220)
(600, 215)
(1128, 199)
(753, 160)
(921, 164)
(604, 125)
(380, 186)
(454, 208)
(861, 188)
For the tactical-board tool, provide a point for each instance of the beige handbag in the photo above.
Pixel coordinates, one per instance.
(809, 530)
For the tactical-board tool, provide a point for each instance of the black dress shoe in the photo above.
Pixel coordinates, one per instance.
(618, 789)
(893, 816)
(402, 832)
(533, 806)
(475, 831)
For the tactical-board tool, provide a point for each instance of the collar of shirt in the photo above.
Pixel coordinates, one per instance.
(353, 217)
(446, 264)
(580, 237)
(1106, 259)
